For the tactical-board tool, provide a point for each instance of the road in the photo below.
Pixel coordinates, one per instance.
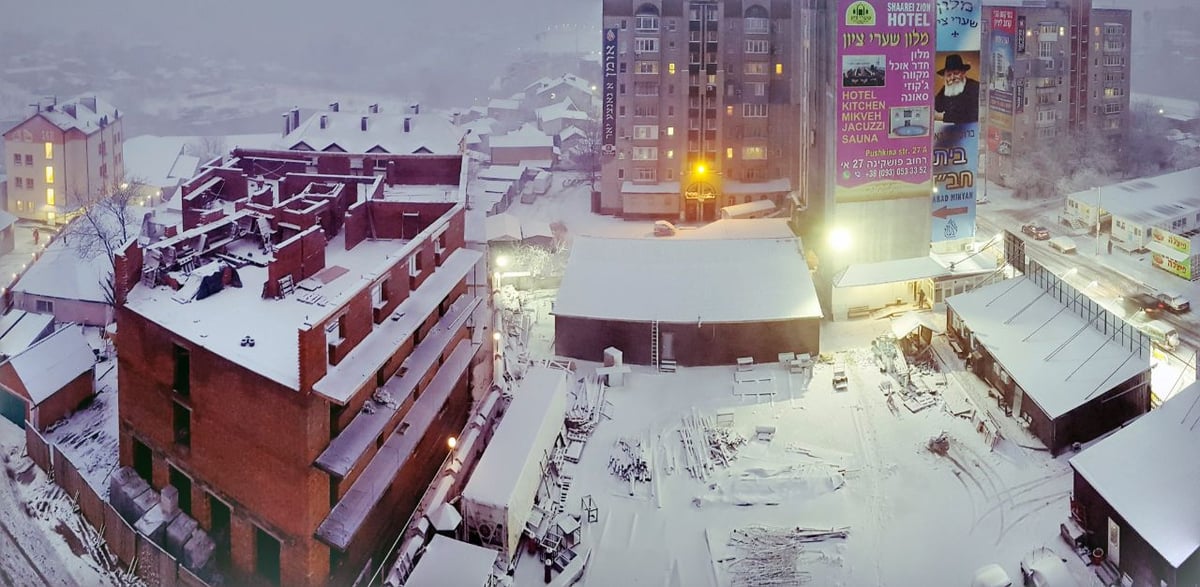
(1093, 277)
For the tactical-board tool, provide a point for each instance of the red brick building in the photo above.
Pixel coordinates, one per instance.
(294, 351)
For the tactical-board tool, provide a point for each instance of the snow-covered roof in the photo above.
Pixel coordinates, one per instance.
(755, 207)
(502, 227)
(569, 132)
(497, 477)
(450, 562)
(738, 228)
(904, 324)
(559, 110)
(503, 172)
(547, 84)
(1148, 472)
(154, 159)
(429, 132)
(53, 362)
(742, 280)
(502, 104)
(1058, 359)
(889, 272)
(534, 228)
(1148, 200)
(61, 272)
(526, 136)
(6, 219)
(81, 112)
(19, 329)
(779, 184)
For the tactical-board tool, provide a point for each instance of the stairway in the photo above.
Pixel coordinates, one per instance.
(654, 344)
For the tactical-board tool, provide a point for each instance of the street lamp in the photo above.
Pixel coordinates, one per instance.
(840, 240)
(502, 261)
(452, 442)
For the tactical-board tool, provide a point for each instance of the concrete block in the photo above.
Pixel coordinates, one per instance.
(179, 531)
(169, 501)
(613, 357)
(198, 550)
(154, 524)
(124, 487)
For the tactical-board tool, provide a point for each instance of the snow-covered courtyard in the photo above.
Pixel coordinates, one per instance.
(826, 460)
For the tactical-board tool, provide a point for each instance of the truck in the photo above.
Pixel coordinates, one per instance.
(1063, 244)
(1173, 301)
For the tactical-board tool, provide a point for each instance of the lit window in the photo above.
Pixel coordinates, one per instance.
(671, 68)
(751, 153)
(49, 150)
(50, 216)
(49, 196)
(729, 152)
(670, 131)
(729, 110)
(778, 69)
(670, 154)
(49, 174)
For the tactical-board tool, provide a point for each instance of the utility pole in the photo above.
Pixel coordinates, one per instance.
(1098, 216)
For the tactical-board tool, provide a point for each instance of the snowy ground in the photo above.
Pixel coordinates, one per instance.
(89, 437)
(43, 539)
(837, 459)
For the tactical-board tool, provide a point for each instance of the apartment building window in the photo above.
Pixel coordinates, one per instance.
(755, 68)
(645, 110)
(729, 152)
(621, 172)
(266, 556)
(754, 153)
(646, 174)
(414, 265)
(1114, 29)
(143, 460)
(1112, 108)
(645, 132)
(1045, 49)
(1046, 117)
(19, 182)
(694, 14)
(754, 110)
(650, 67)
(103, 170)
(756, 88)
(49, 174)
(645, 45)
(646, 22)
(671, 68)
(16, 159)
(645, 153)
(182, 483)
(1047, 132)
(29, 159)
(43, 306)
(1114, 92)
(103, 148)
(181, 380)
(756, 25)
(758, 46)
(1047, 28)
(181, 423)
(623, 67)
(670, 155)
(645, 88)
(49, 196)
(695, 36)
(1112, 60)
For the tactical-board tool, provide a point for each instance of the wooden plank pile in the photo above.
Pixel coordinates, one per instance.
(628, 462)
(768, 554)
(706, 445)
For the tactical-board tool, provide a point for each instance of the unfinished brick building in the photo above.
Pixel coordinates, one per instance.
(295, 347)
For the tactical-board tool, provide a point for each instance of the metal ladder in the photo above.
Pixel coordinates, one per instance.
(654, 344)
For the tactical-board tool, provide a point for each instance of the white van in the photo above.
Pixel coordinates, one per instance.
(1162, 333)
(1063, 244)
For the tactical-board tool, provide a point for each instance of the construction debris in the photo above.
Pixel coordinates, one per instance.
(706, 445)
(628, 462)
(768, 554)
(939, 445)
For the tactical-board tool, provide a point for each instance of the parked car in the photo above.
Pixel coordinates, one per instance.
(1063, 244)
(1044, 568)
(1037, 231)
(664, 228)
(992, 575)
(1174, 302)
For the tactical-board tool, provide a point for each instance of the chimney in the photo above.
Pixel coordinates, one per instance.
(364, 124)
(334, 107)
(407, 124)
(287, 123)
(69, 109)
(90, 102)
(295, 117)
(324, 122)
(415, 108)
(373, 109)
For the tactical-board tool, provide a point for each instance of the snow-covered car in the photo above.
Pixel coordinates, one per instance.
(1037, 231)
(1174, 302)
(1044, 568)
(992, 575)
(664, 228)
(982, 199)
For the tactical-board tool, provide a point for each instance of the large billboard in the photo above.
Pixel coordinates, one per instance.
(956, 120)
(608, 129)
(884, 100)
(1000, 83)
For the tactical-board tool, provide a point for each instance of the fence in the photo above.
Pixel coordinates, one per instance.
(151, 563)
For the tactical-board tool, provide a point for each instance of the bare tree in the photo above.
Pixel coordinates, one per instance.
(1075, 162)
(102, 227)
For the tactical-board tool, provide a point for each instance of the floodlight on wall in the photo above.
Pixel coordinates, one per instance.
(839, 239)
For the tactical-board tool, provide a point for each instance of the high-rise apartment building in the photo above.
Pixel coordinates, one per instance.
(61, 157)
(1053, 68)
(698, 109)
